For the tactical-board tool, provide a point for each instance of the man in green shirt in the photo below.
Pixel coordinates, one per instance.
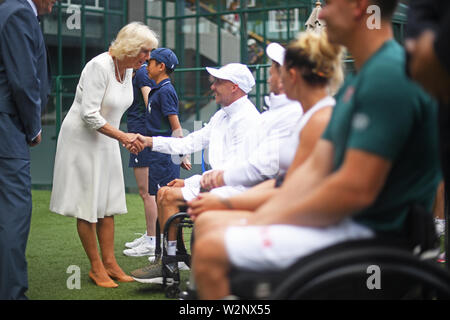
(376, 159)
(382, 114)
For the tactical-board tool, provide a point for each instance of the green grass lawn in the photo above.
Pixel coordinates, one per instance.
(54, 246)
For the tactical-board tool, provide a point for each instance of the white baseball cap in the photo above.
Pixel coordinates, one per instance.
(276, 52)
(235, 72)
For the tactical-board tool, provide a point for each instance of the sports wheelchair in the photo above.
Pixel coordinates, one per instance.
(384, 267)
(171, 275)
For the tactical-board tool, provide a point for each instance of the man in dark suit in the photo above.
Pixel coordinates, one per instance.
(24, 90)
(429, 64)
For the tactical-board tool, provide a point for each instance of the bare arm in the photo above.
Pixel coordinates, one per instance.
(145, 91)
(253, 198)
(175, 125)
(124, 138)
(353, 187)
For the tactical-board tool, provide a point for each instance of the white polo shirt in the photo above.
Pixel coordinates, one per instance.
(277, 126)
(226, 135)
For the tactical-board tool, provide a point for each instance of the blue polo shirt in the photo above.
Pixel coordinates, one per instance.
(162, 102)
(136, 112)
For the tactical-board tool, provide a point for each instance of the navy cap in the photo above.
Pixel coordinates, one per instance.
(165, 55)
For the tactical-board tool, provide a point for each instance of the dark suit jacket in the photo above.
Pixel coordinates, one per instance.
(24, 79)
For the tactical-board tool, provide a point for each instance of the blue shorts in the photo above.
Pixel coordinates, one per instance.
(143, 158)
(161, 171)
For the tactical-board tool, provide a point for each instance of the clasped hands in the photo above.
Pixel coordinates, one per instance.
(212, 179)
(135, 142)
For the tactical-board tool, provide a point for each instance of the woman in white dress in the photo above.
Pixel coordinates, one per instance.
(88, 179)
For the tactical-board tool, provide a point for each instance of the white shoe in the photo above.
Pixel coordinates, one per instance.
(136, 241)
(440, 226)
(144, 249)
(183, 266)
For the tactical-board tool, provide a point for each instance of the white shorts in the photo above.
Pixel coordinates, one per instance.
(191, 189)
(277, 247)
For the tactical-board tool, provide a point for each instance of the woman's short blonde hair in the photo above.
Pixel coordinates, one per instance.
(131, 39)
(319, 61)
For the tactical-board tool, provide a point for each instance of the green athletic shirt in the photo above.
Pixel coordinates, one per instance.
(379, 110)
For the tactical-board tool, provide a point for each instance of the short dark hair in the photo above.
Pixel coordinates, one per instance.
(387, 7)
(167, 70)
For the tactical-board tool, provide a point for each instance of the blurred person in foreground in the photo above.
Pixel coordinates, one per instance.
(428, 48)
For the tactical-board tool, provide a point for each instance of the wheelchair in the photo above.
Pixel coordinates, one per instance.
(171, 276)
(385, 267)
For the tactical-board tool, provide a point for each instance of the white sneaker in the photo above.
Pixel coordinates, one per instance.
(136, 241)
(183, 266)
(144, 249)
(440, 226)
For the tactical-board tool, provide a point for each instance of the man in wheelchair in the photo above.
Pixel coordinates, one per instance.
(225, 134)
(377, 158)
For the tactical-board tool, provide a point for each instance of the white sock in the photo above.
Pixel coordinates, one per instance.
(172, 248)
(151, 240)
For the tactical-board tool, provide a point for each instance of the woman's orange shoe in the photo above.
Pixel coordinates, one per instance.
(122, 278)
(104, 284)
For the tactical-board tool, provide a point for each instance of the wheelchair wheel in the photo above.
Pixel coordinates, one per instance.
(185, 235)
(183, 224)
(347, 275)
(172, 291)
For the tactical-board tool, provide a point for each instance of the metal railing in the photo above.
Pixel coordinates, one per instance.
(260, 89)
(216, 14)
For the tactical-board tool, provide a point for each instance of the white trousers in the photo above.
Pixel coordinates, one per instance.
(191, 189)
(277, 247)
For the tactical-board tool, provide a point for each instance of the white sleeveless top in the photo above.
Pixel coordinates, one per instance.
(289, 148)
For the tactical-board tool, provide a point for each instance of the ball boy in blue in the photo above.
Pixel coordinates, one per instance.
(140, 163)
(142, 85)
(162, 116)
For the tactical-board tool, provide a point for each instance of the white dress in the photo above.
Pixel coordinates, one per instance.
(87, 177)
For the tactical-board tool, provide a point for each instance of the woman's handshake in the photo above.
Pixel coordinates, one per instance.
(137, 143)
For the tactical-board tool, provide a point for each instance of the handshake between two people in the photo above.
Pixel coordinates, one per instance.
(135, 143)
